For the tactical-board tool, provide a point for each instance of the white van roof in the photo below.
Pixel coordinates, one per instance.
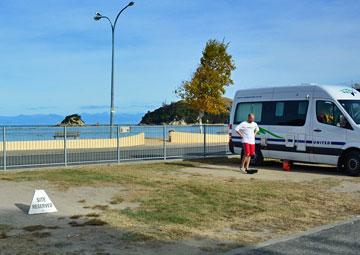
(300, 91)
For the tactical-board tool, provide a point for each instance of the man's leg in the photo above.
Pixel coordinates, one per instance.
(243, 161)
(245, 154)
(248, 159)
(251, 154)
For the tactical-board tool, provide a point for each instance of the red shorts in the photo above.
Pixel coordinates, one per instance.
(249, 149)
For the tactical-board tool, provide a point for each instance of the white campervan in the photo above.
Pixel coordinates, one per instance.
(307, 123)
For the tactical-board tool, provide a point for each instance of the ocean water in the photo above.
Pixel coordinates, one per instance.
(28, 133)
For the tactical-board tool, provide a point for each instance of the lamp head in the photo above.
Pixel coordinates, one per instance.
(97, 16)
(131, 3)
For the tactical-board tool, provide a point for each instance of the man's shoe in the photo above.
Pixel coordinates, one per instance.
(243, 170)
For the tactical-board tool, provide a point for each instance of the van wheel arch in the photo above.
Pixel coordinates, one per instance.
(342, 164)
(231, 147)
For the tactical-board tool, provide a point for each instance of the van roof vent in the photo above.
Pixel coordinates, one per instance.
(309, 84)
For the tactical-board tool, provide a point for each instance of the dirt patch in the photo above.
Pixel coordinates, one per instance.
(273, 173)
(347, 186)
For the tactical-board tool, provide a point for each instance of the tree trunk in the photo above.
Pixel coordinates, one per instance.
(201, 115)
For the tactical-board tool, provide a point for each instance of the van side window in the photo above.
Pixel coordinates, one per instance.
(328, 113)
(278, 113)
(285, 113)
(243, 109)
(303, 107)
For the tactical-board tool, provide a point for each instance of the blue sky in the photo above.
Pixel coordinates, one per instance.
(56, 59)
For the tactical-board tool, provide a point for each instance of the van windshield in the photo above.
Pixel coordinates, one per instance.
(353, 109)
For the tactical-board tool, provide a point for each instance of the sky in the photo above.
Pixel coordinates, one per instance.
(55, 58)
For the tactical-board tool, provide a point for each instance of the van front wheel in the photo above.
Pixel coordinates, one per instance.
(352, 163)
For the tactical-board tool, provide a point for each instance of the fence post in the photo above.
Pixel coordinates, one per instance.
(4, 147)
(204, 128)
(118, 143)
(164, 141)
(65, 147)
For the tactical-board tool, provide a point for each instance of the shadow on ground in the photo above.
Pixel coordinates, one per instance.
(23, 207)
(56, 234)
(273, 165)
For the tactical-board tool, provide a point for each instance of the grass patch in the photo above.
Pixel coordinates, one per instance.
(92, 215)
(91, 222)
(4, 229)
(100, 207)
(135, 237)
(75, 224)
(235, 209)
(196, 203)
(78, 216)
(117, 200)
(175, 205)
(95, 222)
(95, 175)
(41, 234)
(75, 217)
(34, 228)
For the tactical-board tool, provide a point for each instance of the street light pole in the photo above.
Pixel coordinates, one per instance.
(112, 106)
(97, 17)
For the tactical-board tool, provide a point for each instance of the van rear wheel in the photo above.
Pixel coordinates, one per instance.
(256, 160)
(352, 163)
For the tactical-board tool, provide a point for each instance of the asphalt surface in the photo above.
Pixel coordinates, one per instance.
(342, 239)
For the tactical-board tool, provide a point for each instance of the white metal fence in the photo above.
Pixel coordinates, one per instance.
(34, 146)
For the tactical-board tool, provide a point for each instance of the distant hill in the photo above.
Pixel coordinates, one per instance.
(53, 119)
(180, 113)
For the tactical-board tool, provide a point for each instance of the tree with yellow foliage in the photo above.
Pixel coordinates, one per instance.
(204, 92)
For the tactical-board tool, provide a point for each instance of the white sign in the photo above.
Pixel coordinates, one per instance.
(41, 203)
(124, 129)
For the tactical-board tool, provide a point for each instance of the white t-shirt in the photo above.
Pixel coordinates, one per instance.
(248, 131)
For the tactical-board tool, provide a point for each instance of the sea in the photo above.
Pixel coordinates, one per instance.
(36, 133)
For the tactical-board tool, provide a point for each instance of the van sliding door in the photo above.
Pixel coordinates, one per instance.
(287, 128)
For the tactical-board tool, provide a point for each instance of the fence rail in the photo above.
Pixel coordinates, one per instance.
(35, 146)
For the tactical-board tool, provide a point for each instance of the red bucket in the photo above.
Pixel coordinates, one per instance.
(287, 165)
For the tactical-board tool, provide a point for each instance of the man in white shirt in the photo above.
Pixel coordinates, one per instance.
(247, 130)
